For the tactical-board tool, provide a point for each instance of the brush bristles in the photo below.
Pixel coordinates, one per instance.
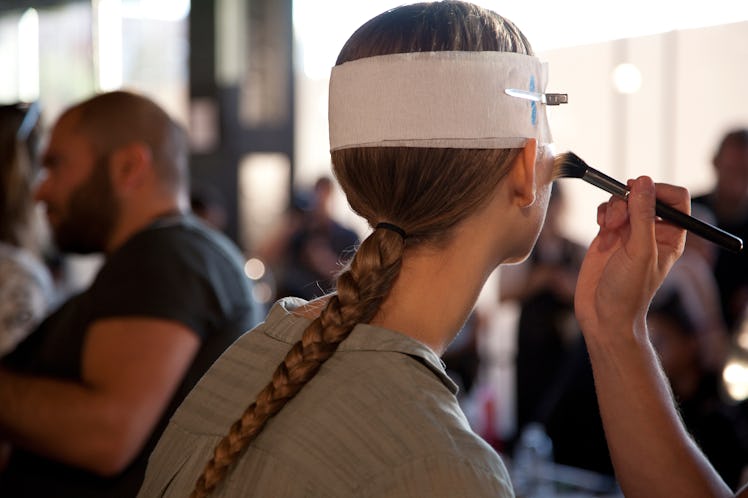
(568, 165)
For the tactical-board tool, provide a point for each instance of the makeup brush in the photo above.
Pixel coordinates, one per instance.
(570, 165)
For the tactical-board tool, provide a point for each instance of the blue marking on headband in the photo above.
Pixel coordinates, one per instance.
(533, 105)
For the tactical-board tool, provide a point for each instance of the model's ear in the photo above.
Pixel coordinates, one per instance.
(522, 174)
(129, 166)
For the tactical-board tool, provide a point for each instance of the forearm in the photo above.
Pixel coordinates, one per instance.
(652, 453)
(62, 420)
(131, 368)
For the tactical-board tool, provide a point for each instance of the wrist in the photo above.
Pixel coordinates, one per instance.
(611, 337)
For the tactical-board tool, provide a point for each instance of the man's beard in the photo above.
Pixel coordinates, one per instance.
(90, 215)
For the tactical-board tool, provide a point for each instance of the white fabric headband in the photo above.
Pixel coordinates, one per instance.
(440, 99)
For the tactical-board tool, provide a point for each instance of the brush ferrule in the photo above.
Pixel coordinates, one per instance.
(605, 182)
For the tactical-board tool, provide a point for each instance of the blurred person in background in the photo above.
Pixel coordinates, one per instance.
(543, 287)
(85, 397)
(728, 200)
(693, 278)
(554, 383)
(26, 289)
(311, 247)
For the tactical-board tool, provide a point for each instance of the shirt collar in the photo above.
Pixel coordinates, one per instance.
(364, 337)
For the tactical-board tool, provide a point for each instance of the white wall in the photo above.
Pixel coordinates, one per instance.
(693, 83)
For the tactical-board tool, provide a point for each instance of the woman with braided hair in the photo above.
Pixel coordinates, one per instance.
(436, 145)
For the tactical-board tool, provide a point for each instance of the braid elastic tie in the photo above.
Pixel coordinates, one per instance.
(392, 228)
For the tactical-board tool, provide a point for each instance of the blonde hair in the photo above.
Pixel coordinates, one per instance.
(426, 192)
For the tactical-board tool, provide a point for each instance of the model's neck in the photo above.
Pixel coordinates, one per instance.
(434, 304)
(437, 289)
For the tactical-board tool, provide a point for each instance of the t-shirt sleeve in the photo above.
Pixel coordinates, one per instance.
(170, 281)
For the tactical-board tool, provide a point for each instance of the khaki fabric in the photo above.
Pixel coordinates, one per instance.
(380, 419)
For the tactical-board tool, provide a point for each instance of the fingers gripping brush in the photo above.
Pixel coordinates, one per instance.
(569, 165)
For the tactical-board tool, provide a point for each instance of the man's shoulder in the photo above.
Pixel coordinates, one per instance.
(179, 271)
(183, 229)
(179, 257)
(182, 237)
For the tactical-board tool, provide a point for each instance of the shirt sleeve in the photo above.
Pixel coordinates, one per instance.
(169, 278)
(23, 302)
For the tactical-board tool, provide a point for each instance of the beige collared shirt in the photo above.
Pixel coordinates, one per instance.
(380, 419)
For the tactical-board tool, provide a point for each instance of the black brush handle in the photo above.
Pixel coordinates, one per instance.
(698, 227)
(679, 218)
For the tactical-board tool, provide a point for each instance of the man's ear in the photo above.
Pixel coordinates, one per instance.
(522, 174)
(129, 166)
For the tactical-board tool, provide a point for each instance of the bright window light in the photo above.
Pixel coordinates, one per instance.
(735, 376)
(322, 26)
(627, 78)
(109, 43)
(28, 56)
(254, 269)
(161, 10)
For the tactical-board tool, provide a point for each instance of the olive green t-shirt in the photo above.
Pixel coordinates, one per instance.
(380, 419)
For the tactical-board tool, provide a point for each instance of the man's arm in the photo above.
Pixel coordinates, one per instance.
(130, 369)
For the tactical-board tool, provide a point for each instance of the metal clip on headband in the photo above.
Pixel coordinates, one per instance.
(543, 98)
(392, 228)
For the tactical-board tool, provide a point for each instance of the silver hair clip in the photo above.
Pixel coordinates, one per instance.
(543, 98)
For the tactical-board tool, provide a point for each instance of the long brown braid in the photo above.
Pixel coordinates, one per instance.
(357, 300)
(426, 192)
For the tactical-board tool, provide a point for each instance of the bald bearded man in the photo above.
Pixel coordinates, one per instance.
(86, 396)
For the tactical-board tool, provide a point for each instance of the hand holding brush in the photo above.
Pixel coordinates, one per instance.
(570, 165)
